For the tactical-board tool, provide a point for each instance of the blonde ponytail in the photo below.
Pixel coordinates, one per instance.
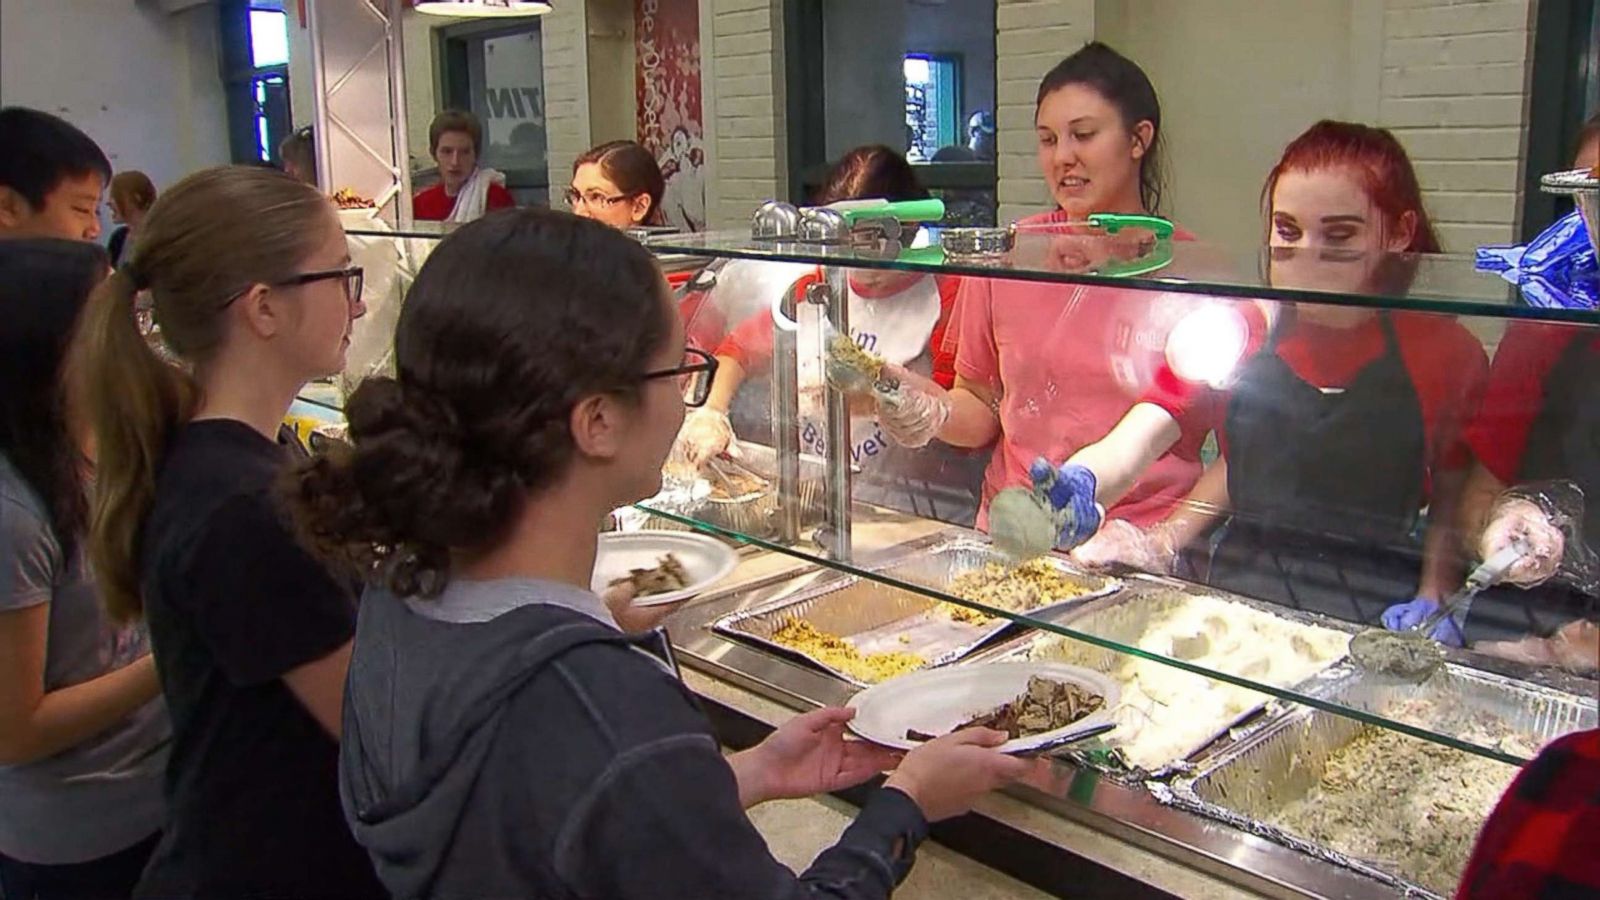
(207, 240)
(134, 402)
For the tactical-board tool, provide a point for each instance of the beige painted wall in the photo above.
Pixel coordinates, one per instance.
(1236, 86)
(1238, 79)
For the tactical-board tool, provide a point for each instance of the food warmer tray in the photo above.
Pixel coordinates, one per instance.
(1285, 757)
(877, 617)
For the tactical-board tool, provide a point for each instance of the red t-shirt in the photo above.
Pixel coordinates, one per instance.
(1498, 434)
(433, 205)
(1066, 362)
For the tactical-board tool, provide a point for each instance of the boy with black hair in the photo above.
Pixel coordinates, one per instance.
(52, 176)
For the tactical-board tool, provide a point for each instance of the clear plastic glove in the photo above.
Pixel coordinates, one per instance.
(1574, 647)
(1070, 490)
(1515, 518)
(1121, 541)
(913, 414)
(1408, 615)
(706, 433)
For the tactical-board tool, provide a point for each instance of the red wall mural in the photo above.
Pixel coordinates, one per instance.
(671, 125)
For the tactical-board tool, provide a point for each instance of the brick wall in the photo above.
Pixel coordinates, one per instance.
(566, 91)
(1033, 35)
(744, 69)
(1454, 82)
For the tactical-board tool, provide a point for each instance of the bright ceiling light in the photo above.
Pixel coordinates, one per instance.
(483, 9)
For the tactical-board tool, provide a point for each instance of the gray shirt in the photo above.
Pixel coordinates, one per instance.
(104, 794)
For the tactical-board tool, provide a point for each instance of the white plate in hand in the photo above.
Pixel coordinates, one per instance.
(935, 701)
(706, 559)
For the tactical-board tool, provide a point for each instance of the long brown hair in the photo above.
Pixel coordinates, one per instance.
(209, 239)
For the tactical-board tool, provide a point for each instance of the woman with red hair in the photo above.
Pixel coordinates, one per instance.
(1345, 425)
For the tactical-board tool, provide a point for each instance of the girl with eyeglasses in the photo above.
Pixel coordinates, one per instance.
(618, 183)
(251, 282)
(505, 736)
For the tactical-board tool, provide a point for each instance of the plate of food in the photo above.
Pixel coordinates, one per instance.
(1039, 704)
(663, 566)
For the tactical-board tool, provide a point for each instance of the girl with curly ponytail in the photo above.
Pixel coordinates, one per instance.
(504, 735)
(251, 285)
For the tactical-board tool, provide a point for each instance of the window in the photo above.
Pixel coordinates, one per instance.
(255, 50)
(913, 75)
(933, 105)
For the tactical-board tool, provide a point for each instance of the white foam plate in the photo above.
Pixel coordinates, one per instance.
(706, 559)
(935, 701)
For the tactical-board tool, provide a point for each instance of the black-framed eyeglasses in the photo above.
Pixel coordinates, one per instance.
(695, 376)
(593, 199)
(353, 277)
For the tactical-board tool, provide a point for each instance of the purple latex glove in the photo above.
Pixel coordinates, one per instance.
(1406, 616)
(1069, 489)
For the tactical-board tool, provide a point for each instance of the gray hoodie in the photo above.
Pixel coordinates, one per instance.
(544, 754)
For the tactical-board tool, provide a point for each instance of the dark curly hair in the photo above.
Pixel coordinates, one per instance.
(512, 320)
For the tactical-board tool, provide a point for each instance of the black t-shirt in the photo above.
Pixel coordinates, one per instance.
(234, 604)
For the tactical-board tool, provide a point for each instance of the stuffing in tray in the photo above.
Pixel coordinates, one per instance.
(1408, 805)
(838, 654)
(1032, 585)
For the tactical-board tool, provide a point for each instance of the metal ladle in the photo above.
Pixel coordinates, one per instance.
(1413, 655)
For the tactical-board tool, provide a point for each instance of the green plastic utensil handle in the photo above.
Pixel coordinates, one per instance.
(906, 211)
(1114, 222)
(925, 255)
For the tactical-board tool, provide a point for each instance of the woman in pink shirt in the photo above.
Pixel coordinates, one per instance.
(1043, 370)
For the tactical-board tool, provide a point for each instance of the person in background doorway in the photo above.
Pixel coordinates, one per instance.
(299, 154)
(51, 177)
(466, 190)
(132, 195)
(250, 277)
(83, 732)
(618, 183)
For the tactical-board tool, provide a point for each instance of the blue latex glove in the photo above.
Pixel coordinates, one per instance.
(1070, 491)
(1405, 616)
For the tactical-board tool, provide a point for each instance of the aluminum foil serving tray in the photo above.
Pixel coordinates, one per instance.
(877, 618)
(1240, 783)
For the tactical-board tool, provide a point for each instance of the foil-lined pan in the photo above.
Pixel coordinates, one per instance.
(875, 617)
(1466, 704)
(1125, 619)
(755, 513)
(1243, 783)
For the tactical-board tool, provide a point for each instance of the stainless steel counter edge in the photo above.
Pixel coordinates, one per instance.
(1119, 827)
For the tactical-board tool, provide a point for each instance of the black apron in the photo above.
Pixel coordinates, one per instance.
(1325, 487)
(1563, 444)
